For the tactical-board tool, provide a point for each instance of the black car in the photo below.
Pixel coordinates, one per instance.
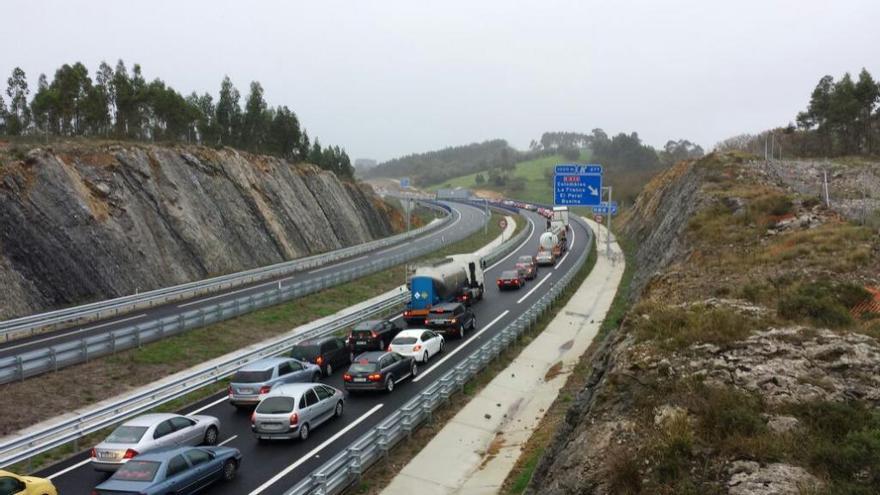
(371, 335)
(379, 371)
(451, 318)
(329, 353)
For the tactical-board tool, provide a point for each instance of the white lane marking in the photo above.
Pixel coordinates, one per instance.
(570, 249)
(338, 264)
(208, 406)
(529, 238)
(67, 334)
(224, 442)
(70, 468)
(313, 452)
(529, 293)
(453, 353)
(218, 296)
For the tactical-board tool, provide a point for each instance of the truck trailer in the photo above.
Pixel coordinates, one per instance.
(453, 278)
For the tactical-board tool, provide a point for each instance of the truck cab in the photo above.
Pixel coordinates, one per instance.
(456, 278)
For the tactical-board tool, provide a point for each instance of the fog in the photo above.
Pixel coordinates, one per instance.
(388, 78)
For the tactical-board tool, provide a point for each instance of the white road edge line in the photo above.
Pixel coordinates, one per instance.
(224, 442)
(208, 406)
(335, 265)
(570, 249)
(527, 239)
(69, 468)
(67, 334)
(529, 293)
(457, 349)
(314, 451)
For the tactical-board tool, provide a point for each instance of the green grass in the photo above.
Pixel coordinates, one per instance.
(538, 187)
(522, 479)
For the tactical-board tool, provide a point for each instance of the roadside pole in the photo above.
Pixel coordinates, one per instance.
(608, 227)
(486, 214)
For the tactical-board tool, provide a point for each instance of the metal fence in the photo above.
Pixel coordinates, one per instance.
(32, 324)
(344, 469)
(34, 442)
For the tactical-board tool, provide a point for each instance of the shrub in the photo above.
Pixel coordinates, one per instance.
(823, 302)
(776, 204)
(679, 327)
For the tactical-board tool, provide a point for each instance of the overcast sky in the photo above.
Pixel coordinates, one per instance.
(387, 78)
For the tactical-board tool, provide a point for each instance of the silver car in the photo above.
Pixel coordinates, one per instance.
(150, 432)
(291, 411)
(253, 381)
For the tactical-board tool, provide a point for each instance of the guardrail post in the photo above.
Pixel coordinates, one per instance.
(137, 336)
(161, 328)
(112, 342)
(53, 358)
(355, 468)
(85, 350)
(19, 364)
(320, 480)
(383, 442)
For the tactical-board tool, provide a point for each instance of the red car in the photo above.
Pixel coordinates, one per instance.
(511, 279)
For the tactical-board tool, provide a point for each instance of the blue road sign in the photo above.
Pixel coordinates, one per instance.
(577, 185)
(605, 208)
(404, 182)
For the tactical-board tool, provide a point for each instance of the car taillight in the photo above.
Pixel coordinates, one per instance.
(417, 348)
(455, 320)
(93, 453)
(375, 377)
(265, 389)
(407, 313)
(129, 454)
(229, 390)
(254, 417)
(346, 377)
(388, 349)
(426, 321)
(294, 419)
(319, 360)
(374, 334)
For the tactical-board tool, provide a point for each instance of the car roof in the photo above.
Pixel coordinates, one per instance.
(294, 390)
(412, 332)
(264, 363)
(164, 454)
(368, 324)
(149, 419)
(371, 356)
(510, 273)
(526, 257)
(316, 340)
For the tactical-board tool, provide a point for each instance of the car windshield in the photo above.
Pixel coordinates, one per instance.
(276, 405)
(509, 274)
(404, 341)
(365, 326)
(137, 471)
(305, 352)
(251, 376)
(127, 434)
(363, 366)
(525, 259)
(361, 334)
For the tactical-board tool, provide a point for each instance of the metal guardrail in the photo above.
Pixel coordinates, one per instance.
(35, 442)
(61, 318)
(56, 356)
(344, 469)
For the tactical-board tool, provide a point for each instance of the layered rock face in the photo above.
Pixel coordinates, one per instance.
(88, 223)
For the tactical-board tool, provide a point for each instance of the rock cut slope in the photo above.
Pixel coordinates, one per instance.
(81, 223)
(746, 365)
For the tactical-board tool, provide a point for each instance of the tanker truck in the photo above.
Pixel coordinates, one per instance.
(453, 278)
(551, 245)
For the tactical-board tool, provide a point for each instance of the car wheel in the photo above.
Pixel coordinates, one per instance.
(389, 384)
(461, 331)
(304, 432)
(351, 357)
(316, 377)
(229, 470)
(328, 370)
(442, 345)
(414, 370)
(339, 408)
(474, 323)
(381, 345)
(425, 357)
(211, 436)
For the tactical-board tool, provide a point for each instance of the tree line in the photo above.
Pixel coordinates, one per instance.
(842, 118)
(120, 104)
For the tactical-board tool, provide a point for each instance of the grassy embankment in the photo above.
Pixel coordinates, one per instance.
(137, 367)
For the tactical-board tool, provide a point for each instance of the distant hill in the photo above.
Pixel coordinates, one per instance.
(437, 166)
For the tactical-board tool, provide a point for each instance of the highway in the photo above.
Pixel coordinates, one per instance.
(467, 219)
(274, 467)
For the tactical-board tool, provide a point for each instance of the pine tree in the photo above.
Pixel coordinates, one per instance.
(228, 113)
(3, 116)
(254, 126)
(18, 116)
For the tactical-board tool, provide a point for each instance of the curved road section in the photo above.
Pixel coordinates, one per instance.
(271, 468)
(467, 219)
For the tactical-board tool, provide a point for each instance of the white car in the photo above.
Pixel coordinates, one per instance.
(418, 344)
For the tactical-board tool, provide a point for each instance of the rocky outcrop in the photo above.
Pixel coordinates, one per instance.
(88, 223)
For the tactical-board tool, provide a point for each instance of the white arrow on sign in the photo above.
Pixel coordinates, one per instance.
(593, 191)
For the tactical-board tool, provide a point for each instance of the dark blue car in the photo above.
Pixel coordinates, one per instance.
(179, 470)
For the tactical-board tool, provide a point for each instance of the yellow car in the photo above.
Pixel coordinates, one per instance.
(13, 484)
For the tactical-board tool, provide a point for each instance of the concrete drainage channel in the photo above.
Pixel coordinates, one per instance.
(27, 445)
(347, 467)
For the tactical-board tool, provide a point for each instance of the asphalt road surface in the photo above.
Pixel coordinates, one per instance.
(272, 468)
